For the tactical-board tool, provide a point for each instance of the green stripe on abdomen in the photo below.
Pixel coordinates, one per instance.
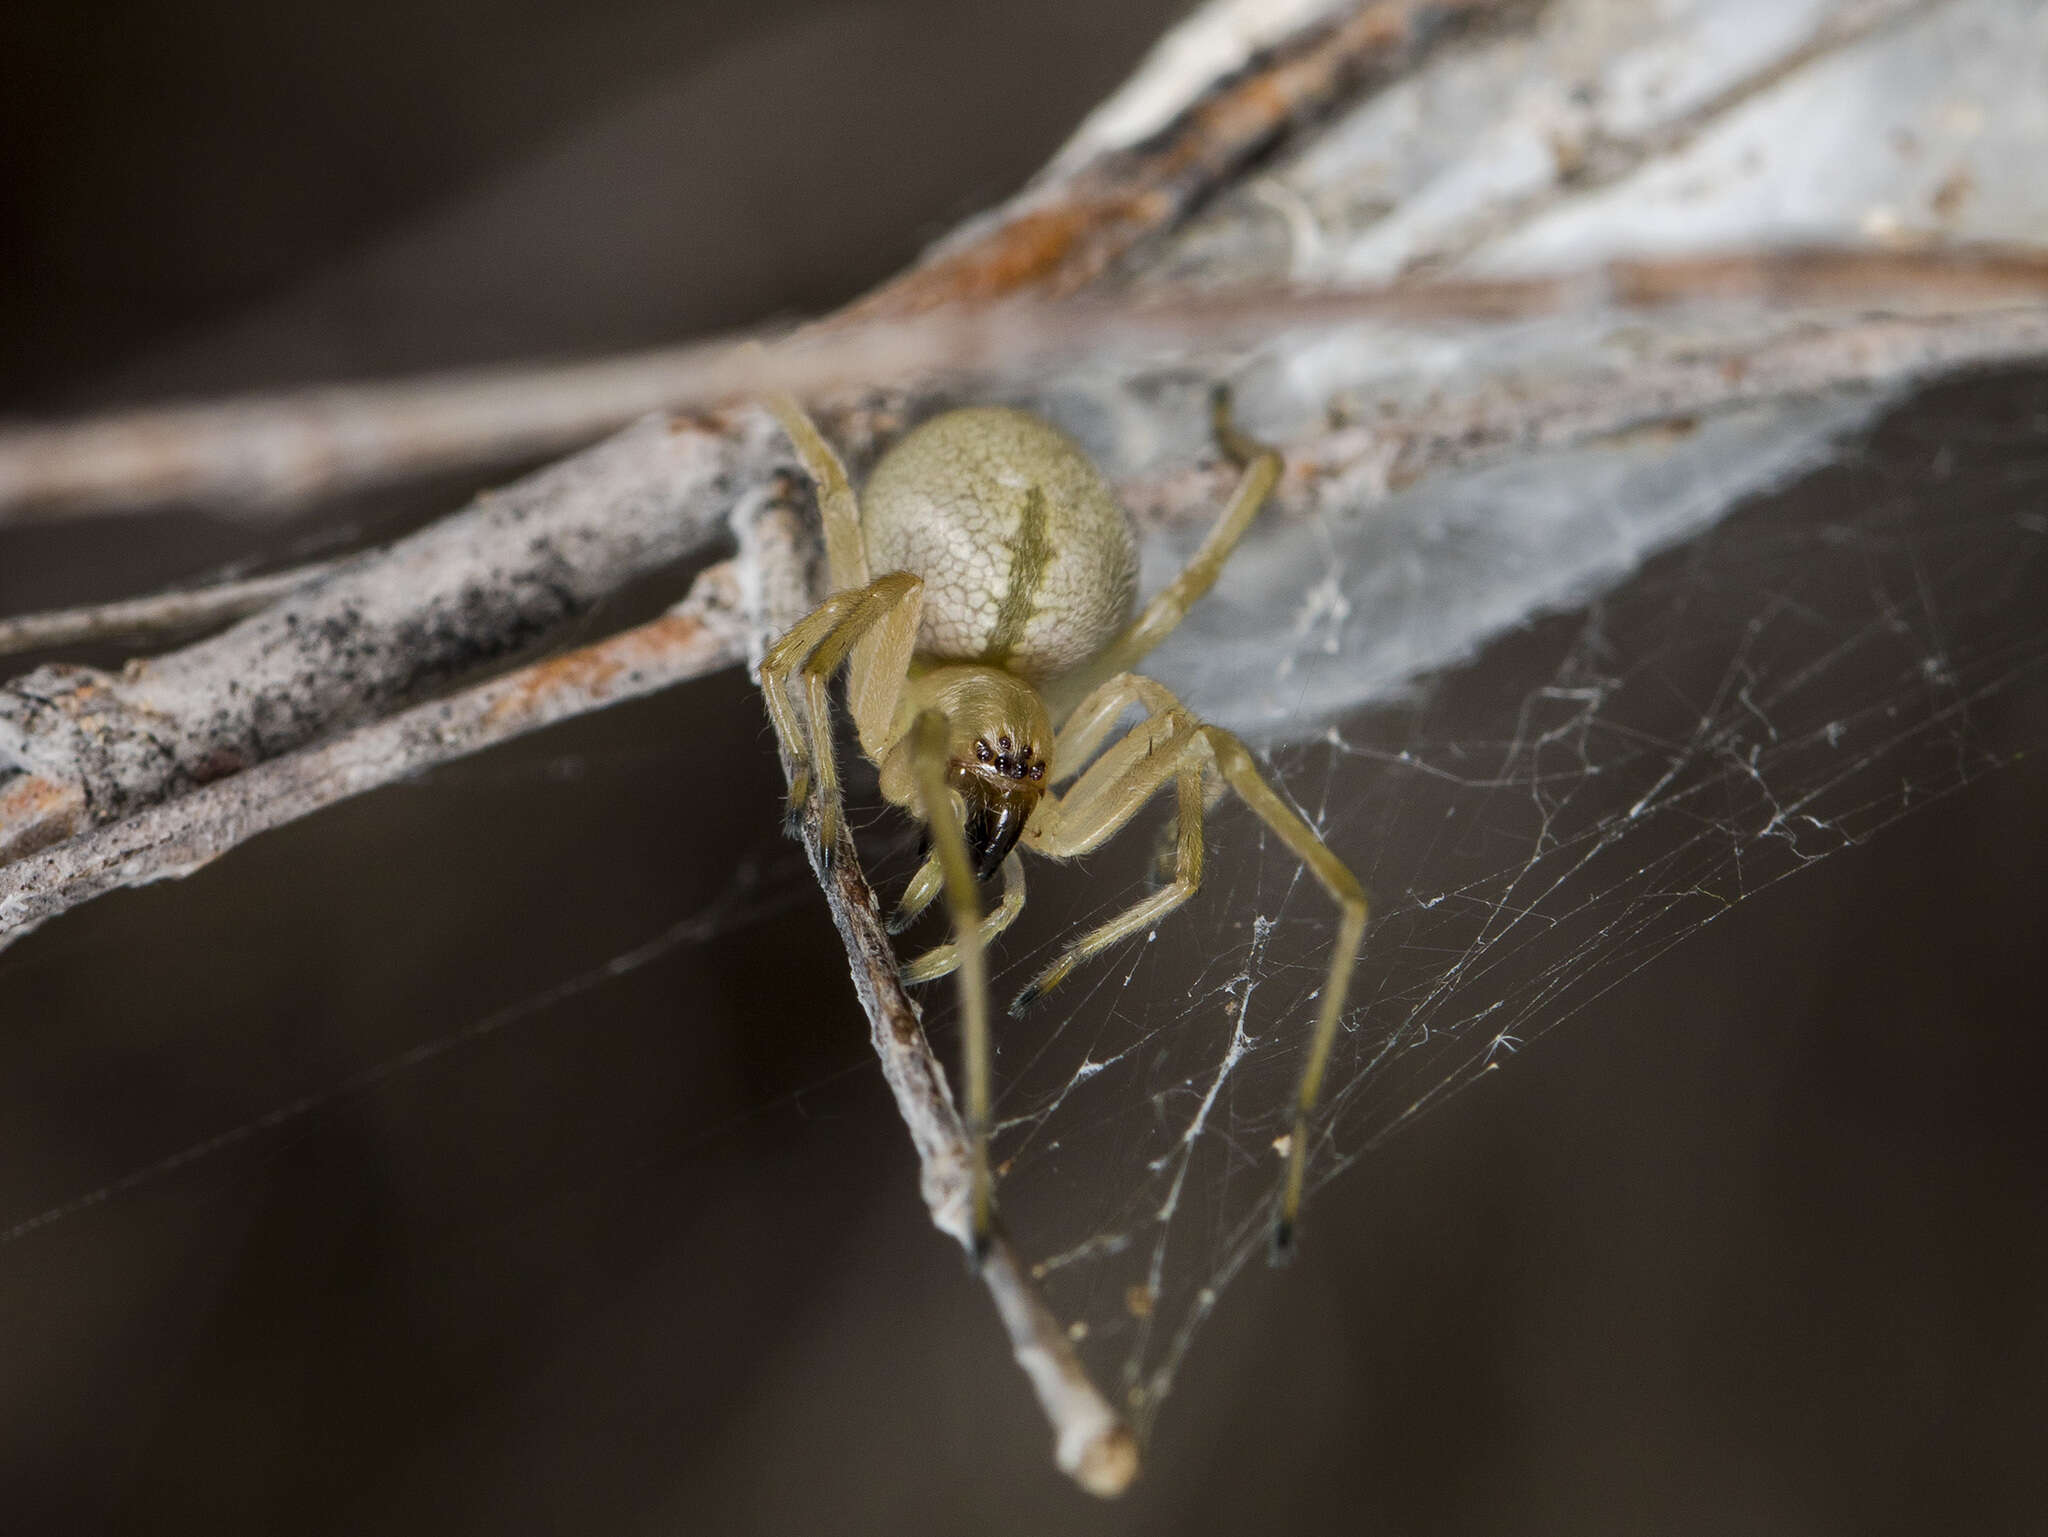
(1030, 556)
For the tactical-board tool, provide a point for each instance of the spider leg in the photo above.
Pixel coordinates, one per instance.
(1114, 788)
(1110, 794)
(917, 896)
(812, 650)
(1160, 617)
(1187, 868)
(940, 810)
(881, 657)
(845, 551)
(941, 959)
(1089, 725)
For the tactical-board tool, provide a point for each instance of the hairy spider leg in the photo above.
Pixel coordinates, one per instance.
(941, 959)
(917, 896)
(1090, 821)
(1082, 733)
(884, 613)
(1113, 790)
(1160, 617)
(846, 552)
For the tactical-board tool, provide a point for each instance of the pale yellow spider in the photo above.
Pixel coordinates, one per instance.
(991, 661)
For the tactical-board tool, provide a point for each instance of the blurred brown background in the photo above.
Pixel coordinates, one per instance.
(1755, 1244)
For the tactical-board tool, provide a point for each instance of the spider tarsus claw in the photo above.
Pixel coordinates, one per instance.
(1282, 1250)
(897, 921)
(1021, 1004)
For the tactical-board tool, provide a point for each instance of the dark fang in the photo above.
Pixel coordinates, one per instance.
(994, 824)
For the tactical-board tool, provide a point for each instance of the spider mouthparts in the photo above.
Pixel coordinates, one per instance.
(995, 820)
(977, 1260)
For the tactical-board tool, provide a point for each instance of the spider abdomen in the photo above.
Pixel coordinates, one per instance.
(1028, 561)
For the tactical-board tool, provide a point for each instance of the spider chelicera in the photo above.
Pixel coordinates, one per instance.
(983, 587)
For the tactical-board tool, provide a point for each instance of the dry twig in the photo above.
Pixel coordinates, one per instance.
(1091, 1442)
(384, 628)
(1051, 240)
(165, 613)
(274, 454)
(176, 837)
(397, 622)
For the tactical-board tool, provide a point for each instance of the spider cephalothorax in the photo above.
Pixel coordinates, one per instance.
(998, 750)
(1008, 578)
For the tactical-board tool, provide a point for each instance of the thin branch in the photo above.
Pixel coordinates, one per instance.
(164, 613)
(1052, 239)
(167, 841)
(1375, 449)
(402, 621)
(389, 626)
(270, 454)
(1092, 1444)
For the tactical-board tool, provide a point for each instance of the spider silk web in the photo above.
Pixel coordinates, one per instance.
(1534, 825)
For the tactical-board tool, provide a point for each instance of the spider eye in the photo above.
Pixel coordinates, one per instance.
(1003, 742)
(1038, 771)
(981, 751)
